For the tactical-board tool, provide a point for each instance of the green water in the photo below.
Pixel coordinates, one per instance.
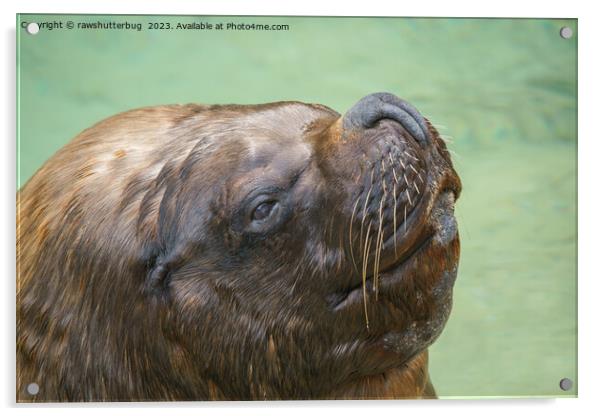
(503, 90)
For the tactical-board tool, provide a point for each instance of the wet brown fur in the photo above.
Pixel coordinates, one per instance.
(121, 294)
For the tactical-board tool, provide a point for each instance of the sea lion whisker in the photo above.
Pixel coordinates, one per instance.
(405, 178)
(351, 234)
(402, 164)
(364, 215)
(408, 194)
(379, 251)
(446, 139)
(416, 187)
(410, 156)
(414, 169)
(375, 265)
(393, 169)
(364, 274)
(390, 156)
(456, 155)
(377, 247)
(330, 227)
(405, 219)
(395, 222)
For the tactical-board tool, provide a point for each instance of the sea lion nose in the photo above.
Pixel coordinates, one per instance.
(382, 105)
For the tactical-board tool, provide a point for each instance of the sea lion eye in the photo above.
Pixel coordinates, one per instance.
(263, 210)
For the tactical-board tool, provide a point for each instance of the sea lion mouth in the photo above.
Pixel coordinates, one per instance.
(440, 230)
(356, 293)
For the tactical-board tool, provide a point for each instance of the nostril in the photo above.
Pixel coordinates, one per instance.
(409, 122)
(374, 107)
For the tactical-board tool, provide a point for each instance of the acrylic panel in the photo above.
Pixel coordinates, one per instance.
(290, 208)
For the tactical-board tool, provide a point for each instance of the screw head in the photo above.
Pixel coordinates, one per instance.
(32, 28)
(566, 384)
(566, 32)
(33, 388)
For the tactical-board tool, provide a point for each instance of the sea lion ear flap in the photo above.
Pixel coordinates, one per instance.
(160, 266)
(157, 269)
(158, 276)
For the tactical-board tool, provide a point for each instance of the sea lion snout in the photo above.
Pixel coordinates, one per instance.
(384, 157)
(374, 107)
(398, 211)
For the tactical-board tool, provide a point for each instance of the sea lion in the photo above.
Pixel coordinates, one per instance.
(238, 252)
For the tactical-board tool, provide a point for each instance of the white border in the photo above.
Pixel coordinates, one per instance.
(590, 289)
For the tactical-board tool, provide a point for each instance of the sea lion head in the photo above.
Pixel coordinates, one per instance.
(303, 250)
(277, 251)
